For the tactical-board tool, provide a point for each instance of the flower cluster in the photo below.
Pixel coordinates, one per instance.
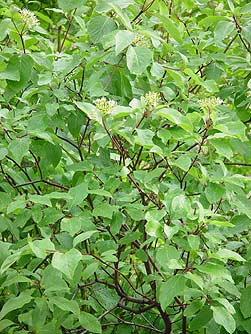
(141, 40)
(105, 106)
(29, 19)
(151, 100)
(210, 102)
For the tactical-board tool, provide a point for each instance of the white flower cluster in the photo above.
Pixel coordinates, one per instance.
(151, 100)
(105, 106)
(29, 19)
(210, 102)
(141, 40)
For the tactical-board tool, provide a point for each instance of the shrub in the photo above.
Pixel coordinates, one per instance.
(125, 167)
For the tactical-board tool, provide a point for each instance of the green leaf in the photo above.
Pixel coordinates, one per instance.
(220, 223)
(193, 308)
(176, 117)
(123, 39)
(78, 194)
(99, 26)
(90, 110)
(41, 248)
(90, 270)
(15, 303)
(171, 28)
(214, 192)
(229, 254)
(137, 59)
(154, 229)
(144, 138)
(5, 323)
(173, 287)
(194, 241)
(71, 225)
(9, 261)
(16, 206)
(65, 304)
(100, 192)
(215, 270)
(89, 322)
(228, 306)
(67, 262)
(19, 148)
(82, 237)
(38, 199)
(122, 16)
(103, 210)
(245, 302)
(224, 318)
(11, 72)
(66, 5)
(24, 65)
(201, 319)
(183, 162)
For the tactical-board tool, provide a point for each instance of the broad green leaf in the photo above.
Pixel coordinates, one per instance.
(38, 199)
(235, 129)
(15, 303)
(19, 148)
(5, 323)
(90, 270)
(215, 270)
(65, 304)
(3, 152)
(193, 308)
(42, 247)
(228, 306)
(71, 225)
(90, 110)
(202, 318)
(194, 241)
(196, 279)
(89, 322)
(183, 162)
(144, 138)
(176, 117)
(221, 223)
(24, 65)
(224, 318)
(245, 302)
(82, 237)
(154, 228)
(138, 58)
(229, 254)
(173, 287)
(103, 210)
(171, 28)
(67, 262)
(78, 194)
(214, 192)
(99, 26)
(122, 16)
(100, 192)
(123, 39)
(69, 5)
(9, 261)
(11, 72)
(16, 206)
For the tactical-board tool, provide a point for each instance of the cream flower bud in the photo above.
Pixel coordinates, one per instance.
(105, 106)
(152, 99)
(28, 18)
(210, 102)
(141, 40)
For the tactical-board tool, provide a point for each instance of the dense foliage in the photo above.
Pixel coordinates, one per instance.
(125, 159)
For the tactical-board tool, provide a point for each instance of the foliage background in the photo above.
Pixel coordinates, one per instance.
(134, 217)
